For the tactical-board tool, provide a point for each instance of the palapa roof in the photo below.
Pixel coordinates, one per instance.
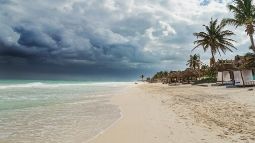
(225, 65)
(182, 74)
(190, 73)
(175, 74)
(232, 65)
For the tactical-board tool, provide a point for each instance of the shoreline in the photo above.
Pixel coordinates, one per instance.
(53, 113)
(110, 126)
(111, 101)
(106, 129)
(152, 113)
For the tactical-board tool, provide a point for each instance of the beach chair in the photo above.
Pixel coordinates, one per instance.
(224, 79)
(246, 79)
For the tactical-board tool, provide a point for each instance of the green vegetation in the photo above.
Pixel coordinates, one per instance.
(205, 80)
(194, 61)
(217, 40)
(214, 38)
(244, 15)
(161, 74)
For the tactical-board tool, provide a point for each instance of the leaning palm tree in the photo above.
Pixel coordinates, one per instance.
(214, 38)
(244, 15)
(194, 61)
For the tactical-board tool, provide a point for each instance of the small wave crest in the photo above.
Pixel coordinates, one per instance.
(24, 85)
(54, 85)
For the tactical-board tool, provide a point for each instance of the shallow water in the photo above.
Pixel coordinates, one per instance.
(55, 112)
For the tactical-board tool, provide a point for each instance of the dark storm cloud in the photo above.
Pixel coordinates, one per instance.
(106, 37)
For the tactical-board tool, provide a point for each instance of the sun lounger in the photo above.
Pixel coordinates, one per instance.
(224, 79)
(250, 83)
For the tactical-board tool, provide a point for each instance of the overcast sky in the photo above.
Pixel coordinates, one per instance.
(103, 39)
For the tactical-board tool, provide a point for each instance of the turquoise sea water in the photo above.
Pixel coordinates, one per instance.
(55, 111)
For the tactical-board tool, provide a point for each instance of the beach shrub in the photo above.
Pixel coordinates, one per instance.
(206, 80)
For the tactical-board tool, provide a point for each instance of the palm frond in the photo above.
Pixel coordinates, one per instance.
(215, 37)
(231, 21)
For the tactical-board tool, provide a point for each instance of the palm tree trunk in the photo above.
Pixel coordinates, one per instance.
(212, 62)
(222, 78)
(252, 42)
(242, 78)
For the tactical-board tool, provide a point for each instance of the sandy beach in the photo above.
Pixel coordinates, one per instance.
(156, 113)
(127, 71)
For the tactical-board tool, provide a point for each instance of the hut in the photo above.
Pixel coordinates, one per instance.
(189, 75)
(225, 75)
(234, 72)
(175, 77)
(245, 74)
(184, 77)
(244, 78)
(164, 80)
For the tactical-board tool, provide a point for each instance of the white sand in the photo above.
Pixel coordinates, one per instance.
(155, 113)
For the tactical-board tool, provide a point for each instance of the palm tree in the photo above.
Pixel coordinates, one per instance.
(142, 76)
(204, 69)
(194, 61)
(244, 15)
(214, 38)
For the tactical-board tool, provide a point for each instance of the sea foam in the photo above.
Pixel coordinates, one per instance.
(56, 112)
(54, 85)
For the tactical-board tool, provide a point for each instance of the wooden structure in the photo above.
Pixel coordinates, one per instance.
(182, 76)
(233, 72)
(190, 75)
(225, 70)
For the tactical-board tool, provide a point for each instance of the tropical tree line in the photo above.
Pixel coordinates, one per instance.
(216, 39)
(201, 69)
(161, 74)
